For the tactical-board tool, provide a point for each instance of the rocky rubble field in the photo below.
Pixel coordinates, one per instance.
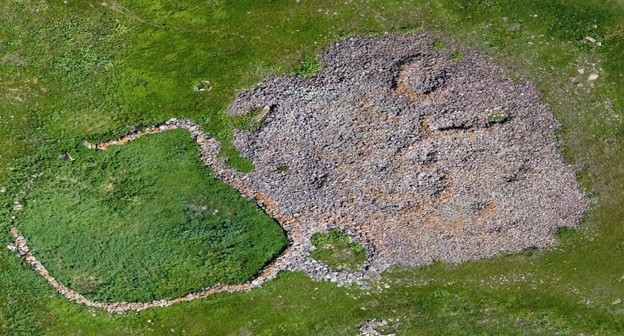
(421, 153)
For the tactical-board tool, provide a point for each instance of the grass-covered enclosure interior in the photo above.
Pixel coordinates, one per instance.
(78, 69)
(143, 221)
(337, 250)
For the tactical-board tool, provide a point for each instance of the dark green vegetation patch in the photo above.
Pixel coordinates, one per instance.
(335, 249)
(144, 221)
(496, 118)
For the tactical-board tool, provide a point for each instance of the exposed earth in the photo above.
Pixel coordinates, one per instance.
(425, 154)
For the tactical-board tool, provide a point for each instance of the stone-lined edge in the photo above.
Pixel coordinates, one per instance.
(295, 257)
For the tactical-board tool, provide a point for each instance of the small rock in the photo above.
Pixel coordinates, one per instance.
(203, 86)
(593, 77)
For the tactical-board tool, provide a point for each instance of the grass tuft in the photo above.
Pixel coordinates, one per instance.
(308, 66)
(335, 249)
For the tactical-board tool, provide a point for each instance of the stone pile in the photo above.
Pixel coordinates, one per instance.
(369, 328)
(421, 156)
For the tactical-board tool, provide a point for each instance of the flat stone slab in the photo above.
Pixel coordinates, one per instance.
(422, 157)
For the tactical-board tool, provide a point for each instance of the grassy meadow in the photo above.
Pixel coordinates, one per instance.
(144, 221)
(80, 69)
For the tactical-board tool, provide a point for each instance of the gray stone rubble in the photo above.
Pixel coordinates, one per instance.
(421, 157)
(369, 328)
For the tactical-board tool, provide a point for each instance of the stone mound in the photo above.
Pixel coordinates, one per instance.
(422, 157)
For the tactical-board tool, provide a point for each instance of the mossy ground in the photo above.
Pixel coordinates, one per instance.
(91, 71)
(336, 249)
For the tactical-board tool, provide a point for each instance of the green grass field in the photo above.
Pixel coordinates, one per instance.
(144, 221)
(80, 70)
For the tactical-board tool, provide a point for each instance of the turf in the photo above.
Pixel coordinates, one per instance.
(93, 72)
(335, 249)
(144, 221)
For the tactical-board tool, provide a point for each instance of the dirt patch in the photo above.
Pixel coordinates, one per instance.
(420, 155)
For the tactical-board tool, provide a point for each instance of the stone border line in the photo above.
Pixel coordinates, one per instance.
(295, 257)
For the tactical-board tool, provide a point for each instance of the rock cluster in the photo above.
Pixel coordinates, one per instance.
(368, 328)
(421, 156)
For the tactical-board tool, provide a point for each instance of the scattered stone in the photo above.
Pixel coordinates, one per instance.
(203, 86)
(67, 156)
(592, 77)
(369, 328)
(15, 59)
